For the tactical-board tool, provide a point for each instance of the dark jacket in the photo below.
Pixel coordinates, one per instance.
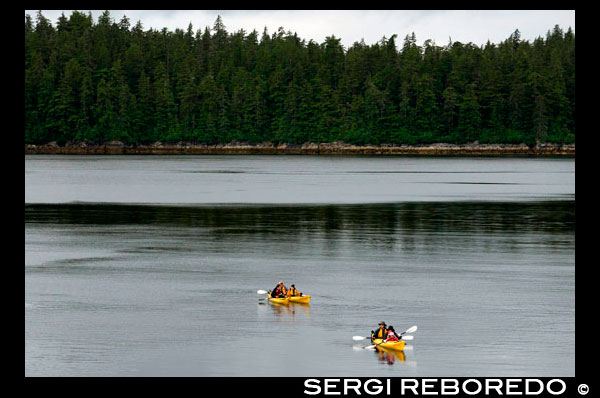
(276, 293)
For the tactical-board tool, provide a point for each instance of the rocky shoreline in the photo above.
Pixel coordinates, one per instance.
(335, 148)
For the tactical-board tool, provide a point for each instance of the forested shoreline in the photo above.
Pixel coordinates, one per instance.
(91, 82)
(268, 148)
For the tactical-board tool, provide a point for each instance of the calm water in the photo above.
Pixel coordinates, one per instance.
(149, 266)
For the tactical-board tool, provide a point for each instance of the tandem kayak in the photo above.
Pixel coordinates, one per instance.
(299, 299)
(275, 300)
(392, 345)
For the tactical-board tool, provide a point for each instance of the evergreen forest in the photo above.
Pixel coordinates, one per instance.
(104, 80)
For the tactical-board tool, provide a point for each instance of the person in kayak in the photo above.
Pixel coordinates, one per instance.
(380, 333)
(391, 335)
(279, 291)
(292, 291)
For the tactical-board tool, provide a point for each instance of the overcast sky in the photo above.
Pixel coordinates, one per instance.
(475, 26)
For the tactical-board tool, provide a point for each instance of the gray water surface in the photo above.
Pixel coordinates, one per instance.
(149, 266)
(293, 179)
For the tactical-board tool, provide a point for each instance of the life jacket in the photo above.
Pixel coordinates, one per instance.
(292, 292)
(378, 333)
(279, 291)
(392, 336)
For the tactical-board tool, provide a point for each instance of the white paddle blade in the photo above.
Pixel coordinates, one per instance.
(408, 338)
(261, 292)
(411, 329)
(358, 338)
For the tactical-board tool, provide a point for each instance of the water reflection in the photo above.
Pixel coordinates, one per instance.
(290, 312)
(300, 308)
(389, 356)
(328, 231)
(326, 224)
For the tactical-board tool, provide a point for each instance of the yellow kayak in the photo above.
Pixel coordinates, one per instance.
(392, 345)
(274, 300)
(299, 299)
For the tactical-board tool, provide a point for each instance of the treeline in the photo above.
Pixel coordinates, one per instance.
(105, 81)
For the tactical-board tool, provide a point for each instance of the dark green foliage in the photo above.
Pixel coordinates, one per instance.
(109, 80)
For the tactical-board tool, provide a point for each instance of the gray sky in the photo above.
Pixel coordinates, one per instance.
(475, 26)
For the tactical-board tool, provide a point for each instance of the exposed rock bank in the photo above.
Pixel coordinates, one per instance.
(335, 148)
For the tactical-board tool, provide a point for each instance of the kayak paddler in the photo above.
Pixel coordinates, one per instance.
(279, 291)
(292, 291)
(391, 334)
(380, 333)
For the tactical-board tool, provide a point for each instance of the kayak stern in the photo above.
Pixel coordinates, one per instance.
(274, 300)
